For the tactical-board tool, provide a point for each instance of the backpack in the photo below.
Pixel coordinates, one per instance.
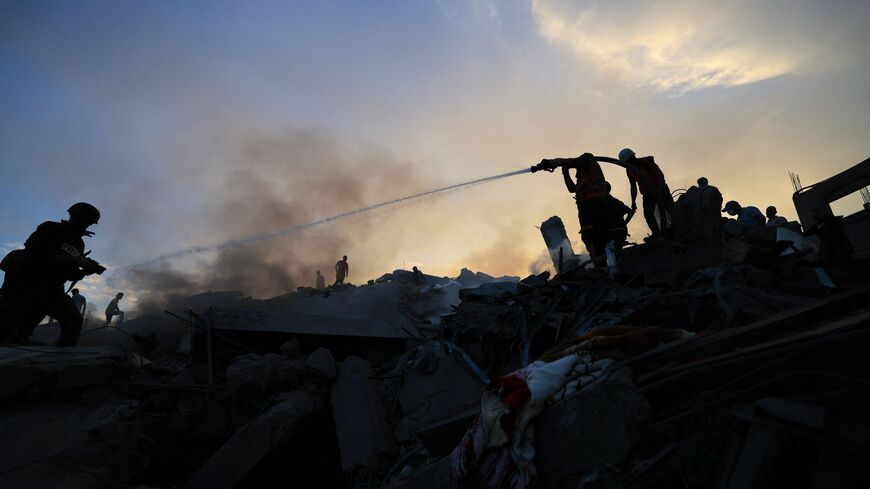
(14, 261)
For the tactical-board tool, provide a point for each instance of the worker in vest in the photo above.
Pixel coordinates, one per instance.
(646, 174)
(590, 190)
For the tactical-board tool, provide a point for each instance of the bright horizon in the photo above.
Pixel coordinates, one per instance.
(190, 124)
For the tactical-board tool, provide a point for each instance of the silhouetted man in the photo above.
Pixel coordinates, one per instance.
(342, 270)
(320, 281)
(590, 192)
(749, 216)
(418, 275)
(33, 285)
(113, 310)
(80, 301)
(653, 188)
(772, 218)
(710, 208)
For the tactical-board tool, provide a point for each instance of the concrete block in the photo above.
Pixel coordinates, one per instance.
(360, 417)
(594, 428)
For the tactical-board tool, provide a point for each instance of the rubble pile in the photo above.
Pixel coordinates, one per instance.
(728, 365)
(683, 359)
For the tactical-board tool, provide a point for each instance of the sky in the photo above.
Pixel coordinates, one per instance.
(194, 123)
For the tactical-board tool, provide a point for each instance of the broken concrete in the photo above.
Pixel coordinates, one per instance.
(253, 442)
(436, 385)
(47, 369)
(360, 418)
(596, 427)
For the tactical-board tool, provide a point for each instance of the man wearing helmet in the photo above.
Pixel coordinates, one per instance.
(33, 285)
(656, 194)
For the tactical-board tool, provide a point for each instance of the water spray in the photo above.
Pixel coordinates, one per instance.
(300, 227)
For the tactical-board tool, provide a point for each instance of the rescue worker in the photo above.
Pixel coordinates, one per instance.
(749, 216)
(80, 301)
(618, 217)
(590, 190)
(33, 285)
(772, 218)
(710, 207)
(418, 275)
(320, 281)
(113, 310)
(342, 270)
(647, 174)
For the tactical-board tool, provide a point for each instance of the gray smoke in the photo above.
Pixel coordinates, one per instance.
(283, 208)
(274, 183)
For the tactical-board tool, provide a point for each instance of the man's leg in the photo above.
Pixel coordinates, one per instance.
(649, 213)
(64, 310)
(108, 320)
(120, 318)
(17, 321)
(593, 225)
(667, 203)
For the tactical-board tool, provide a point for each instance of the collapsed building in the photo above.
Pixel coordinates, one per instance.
(681, 364)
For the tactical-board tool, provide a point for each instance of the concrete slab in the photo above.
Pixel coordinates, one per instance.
(46, 368)
(360, 418)
(254, 441)
(372, 311)
(593, 428)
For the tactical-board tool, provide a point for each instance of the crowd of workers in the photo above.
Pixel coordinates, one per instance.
(35, 277)
(604, 218)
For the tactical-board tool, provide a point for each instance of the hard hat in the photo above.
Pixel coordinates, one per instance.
(625, 154)
(83, 210)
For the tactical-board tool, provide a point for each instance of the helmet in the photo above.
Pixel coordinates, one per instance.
(625, 154)
(83, 210)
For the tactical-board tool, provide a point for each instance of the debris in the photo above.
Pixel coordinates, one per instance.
(251, 443)
(360, 418)
(687, 362)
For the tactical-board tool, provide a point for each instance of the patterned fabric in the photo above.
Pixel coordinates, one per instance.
(499, 445)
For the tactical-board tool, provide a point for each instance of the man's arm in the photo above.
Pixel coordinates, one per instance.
(633, 185)
(569, 182)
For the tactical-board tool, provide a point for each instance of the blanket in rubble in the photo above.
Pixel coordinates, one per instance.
(499, 445)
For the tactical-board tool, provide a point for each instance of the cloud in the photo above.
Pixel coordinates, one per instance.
(679, 46)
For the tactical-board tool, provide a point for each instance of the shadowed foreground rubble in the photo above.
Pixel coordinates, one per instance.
(682, 366)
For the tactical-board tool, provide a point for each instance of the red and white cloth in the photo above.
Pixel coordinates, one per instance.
(500, 444)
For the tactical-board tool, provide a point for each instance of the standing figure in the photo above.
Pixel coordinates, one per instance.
(342, 270)
(80, 301)
(590, 190)
(710, 207)
(320, 281)
(113, 310)
(33, 285)
(656, 194)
